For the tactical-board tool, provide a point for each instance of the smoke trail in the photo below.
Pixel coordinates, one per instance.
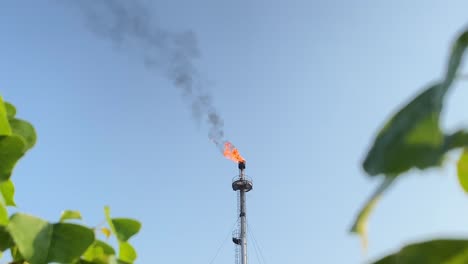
(131, 26)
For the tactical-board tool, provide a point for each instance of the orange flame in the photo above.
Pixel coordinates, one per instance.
(232, 152)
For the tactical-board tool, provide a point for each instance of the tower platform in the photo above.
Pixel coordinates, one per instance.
(242, 184)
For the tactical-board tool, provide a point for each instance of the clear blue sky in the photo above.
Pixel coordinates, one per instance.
(302, 87)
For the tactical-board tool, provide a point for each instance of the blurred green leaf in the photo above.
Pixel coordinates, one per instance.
(70, 215)
(10, 110)
(11, 150)
(6, 241)
(125, 228)
(25, 130)
(360, 224)
(5, 129)
(69, 242)
(16, 137)
(32, 237)
(108, 218)
(126, 252)
(412, 138)
(458, 139)
(462, 168)
(15, 254)
(442, 251)
(7, 193)
(3, 215)
(40, 242)
(99, 252)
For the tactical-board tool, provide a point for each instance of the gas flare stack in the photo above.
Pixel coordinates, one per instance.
(241, 184)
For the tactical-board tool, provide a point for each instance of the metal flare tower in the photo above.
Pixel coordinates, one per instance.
(241, 184)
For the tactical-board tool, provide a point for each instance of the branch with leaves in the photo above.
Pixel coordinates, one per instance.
(413, 139)
(35, 241)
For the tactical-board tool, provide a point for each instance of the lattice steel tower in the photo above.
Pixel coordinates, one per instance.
(241, 184)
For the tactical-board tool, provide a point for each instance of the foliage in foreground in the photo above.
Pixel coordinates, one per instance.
(33, 240)
(413, 139)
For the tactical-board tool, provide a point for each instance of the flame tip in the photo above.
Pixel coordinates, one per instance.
(232, 153)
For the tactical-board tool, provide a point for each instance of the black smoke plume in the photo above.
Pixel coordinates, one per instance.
(132, 27)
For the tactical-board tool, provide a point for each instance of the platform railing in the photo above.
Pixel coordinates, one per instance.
(247, 178)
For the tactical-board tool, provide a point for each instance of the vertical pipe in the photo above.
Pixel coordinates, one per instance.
(243, 228)
(243, 217)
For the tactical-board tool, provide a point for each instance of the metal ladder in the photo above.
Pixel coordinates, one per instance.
(237, 257)
(237, 253)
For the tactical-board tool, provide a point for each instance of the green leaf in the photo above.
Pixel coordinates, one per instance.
(126, 252)
(456, 57)
(441, 251)
(7, 193)
(15, 254)
(3, 215)
(99, 252)
(82, 261)
(69, 215)
(32, 236)
(5, 129)
(462, 169)
(458, 139)
(10, 110)
(106, 248)
(108, 218)
(413, 138)
(16, 137)
(6, 241)
(11, 150)
(360, 224)
(41, 242)
(69, 242)
(125, 228)
(25, 130)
